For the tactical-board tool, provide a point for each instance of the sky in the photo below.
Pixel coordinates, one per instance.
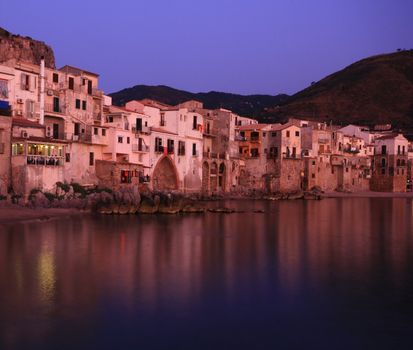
(238, 46)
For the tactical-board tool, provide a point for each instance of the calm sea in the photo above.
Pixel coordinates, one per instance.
(330, 274)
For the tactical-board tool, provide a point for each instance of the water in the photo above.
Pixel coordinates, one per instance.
(331, 274)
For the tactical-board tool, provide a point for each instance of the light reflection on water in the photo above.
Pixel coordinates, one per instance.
(335, 273)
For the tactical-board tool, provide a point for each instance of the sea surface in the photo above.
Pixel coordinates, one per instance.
(330, 274)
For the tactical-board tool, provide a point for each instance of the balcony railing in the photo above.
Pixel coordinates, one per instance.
(141, 130)
(140, 148)
(50, 108)
(45, 160)
(79, 138)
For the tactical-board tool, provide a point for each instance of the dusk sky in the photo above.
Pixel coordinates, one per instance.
(240, 46)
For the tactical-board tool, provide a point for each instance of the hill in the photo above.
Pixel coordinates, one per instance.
(24, 49)
(250, 105)
(375, 90)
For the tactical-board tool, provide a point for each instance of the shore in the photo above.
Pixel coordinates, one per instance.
(10, 214)
(13, 213)
(367, 194)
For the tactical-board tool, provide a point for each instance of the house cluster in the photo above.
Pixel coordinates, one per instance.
(56, 125)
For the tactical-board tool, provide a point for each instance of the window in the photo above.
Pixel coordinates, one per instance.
(383, 149)
(264, 134)
(4, 92)
(194, 152)
(25, 82)
(383, 162)
(89, 87)
(297, 133)
(274, 134)
(398, 149)
(288, 133)
(254, 152)
(194, 122)
(71, 83)
(181, 148)
(158, 145)
(294, 152)
(77, 103)
(84, 81)
(96, 131)
(68, 157)
(120, 139)
(91, 158)
(404, 150)
(84, 105)
(128, 140)
(162, 123)
(313, 175)
(55, 77)
(103, 132)
(110, 119)
(170, 146)
(126, 176)
(56, 104)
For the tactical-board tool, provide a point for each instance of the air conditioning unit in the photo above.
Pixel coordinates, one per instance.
(75, 137)
(20, 100)
(20, 113)
(25, 135)
(49, 92)
(48, 132)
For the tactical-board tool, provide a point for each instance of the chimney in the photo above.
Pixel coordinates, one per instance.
(42, 77)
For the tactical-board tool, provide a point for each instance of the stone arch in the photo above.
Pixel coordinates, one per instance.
(221, 177)
(214, 177)
(205, 178)
(165, 176)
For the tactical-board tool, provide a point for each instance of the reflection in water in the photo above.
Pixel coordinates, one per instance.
(338, 259)
(46, 275)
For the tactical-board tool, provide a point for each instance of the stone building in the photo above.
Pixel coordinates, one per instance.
(390, 164)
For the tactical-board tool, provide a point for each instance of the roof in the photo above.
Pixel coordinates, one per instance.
(389, 136)
(254, 126)
(26, 123)
(75, 70)
(163, 131)
(40, 139)
(153, 103)
(282, 126)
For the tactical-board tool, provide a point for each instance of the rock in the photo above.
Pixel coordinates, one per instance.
(115, 208)
(149, 206)
(258, 211)
(298, 195)
(124, 209)
(221, 210)
(190, 208)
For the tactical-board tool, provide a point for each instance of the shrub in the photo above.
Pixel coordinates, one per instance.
(78, 188)
(33, 193)
(64, 186)
(50, 196)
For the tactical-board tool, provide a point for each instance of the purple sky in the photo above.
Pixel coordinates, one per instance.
(240, 46)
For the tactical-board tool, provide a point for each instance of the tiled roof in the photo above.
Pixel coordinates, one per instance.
(26, 123)
(254, 126)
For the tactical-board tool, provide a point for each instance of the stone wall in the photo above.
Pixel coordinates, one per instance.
(109, 173)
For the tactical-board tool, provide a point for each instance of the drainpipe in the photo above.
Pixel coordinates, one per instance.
(42, 77)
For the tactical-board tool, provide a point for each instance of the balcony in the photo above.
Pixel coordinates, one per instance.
(141, 130)
(140, 148)
(97, 93)
(79, 138)
(45, 160)
(51, 108)
(5, 109)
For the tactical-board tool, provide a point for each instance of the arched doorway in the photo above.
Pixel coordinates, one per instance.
(165, 175)
(205, 178)
(221, 177)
